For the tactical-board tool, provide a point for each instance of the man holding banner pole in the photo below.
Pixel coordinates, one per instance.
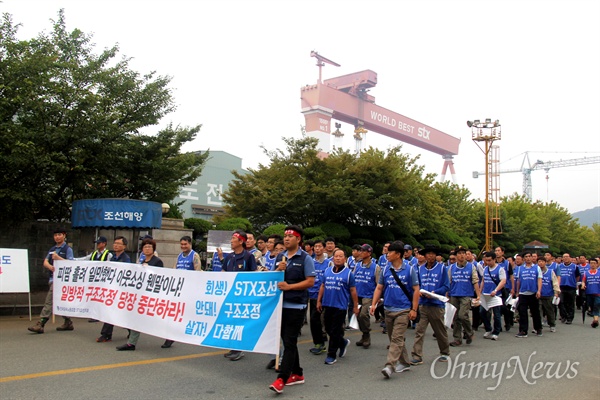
(119, 247)
(298, 278)
(238, 260)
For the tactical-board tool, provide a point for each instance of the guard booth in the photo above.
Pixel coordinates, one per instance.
(131, 219)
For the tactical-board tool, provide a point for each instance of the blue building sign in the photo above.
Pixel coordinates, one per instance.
(116, 213)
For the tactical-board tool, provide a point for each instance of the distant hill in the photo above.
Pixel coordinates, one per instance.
(588, 217)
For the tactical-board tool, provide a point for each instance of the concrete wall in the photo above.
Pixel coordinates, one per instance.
(37, 238)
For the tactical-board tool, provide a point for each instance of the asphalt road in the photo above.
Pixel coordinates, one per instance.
(71, 365)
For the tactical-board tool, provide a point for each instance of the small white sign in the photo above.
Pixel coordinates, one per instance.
(220, 239)
(14, 271)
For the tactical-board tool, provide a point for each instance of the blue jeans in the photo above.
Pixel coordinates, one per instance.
(497, 312)
(594, 303)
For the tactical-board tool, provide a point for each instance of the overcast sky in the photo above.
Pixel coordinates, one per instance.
(238, 66)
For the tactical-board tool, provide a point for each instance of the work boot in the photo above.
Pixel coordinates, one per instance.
(362, 340)
(367, 341)
(37, 328)
(66, 326)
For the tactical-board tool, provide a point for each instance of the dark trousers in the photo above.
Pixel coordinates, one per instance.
(334, 325)
(316, 329)
(509, 316)
(476, 317)
(291, 323)
(566, 306)
(107, 330)
(529, 302)
(580, 299)
(380, 312)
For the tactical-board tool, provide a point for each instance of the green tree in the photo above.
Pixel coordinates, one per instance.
(385, 192)
(275, 229)
(71, 121)
(200, 226)
(524, 221)
(231, 224)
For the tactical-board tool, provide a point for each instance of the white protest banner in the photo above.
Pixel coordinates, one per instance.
(229, 310)
(14, 271)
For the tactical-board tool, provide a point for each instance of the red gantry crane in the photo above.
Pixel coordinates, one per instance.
(346, 99)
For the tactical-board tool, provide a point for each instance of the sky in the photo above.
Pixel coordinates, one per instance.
(237, 68)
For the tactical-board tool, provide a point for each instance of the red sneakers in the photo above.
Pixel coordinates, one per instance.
(277, 386)
(294, 380)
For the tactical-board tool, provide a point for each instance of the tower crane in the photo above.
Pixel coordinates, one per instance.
(527, 167)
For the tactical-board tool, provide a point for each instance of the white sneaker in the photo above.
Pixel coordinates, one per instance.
(494, 337)
(487, 335)
(552, 329)
(387, 371)
(402, 367)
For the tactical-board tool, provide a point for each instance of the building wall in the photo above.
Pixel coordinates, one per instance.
(38, 237)
(202, 198)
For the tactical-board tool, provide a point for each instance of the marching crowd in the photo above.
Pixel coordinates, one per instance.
(404, 288)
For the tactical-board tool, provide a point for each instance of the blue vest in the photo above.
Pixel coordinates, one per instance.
(184, 262)
(547, 290)
(489, 282)
(583, 269)
(270, 262)
(394, 297)
(528, 278)
(555, 267)
(365, 279)
(433, 280)
(217, 265)
(592, 283)
(320, 268)
(382, 262)
(516, 270)
(412, 261)
(337, 288)
(461, 284)
(351, 262)
(568, 275)
(61, 251)
(504, 264)
(294, 273)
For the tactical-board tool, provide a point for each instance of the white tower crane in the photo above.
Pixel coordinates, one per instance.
(527, 167)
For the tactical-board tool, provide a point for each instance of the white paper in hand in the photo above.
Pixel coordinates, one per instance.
(449, 315)
(354, 321)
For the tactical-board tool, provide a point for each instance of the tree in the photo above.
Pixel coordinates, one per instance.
(231, 224)
(71, 122)
(524, 221)
(387, 193)
(198, 225)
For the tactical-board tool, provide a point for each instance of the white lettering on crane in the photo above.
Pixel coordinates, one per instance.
(424, 133)
(402, 126)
